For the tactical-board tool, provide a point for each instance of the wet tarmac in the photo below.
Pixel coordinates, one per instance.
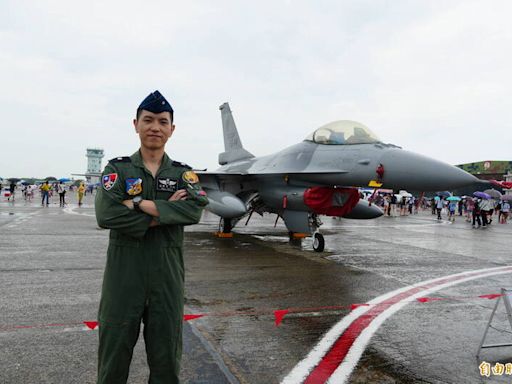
(51, 266)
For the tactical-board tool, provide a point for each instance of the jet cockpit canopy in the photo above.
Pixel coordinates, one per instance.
(343, 132)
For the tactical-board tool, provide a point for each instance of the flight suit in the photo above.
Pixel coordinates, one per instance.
(144, 274)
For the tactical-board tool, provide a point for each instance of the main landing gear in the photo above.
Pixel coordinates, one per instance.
(225, 225)
(318, 242)
(225, 228)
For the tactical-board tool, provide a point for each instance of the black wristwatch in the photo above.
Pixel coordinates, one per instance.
(136, 203)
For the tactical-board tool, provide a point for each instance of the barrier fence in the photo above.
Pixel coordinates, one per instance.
(279, 314)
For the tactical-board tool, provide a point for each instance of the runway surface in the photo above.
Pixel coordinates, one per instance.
(350, 314)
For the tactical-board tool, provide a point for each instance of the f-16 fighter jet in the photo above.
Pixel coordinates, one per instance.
(318, 176)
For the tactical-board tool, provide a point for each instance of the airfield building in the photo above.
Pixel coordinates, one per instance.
(94, 156)
(488, 170)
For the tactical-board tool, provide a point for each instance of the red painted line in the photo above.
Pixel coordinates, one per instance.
(9, 327)
(338, 352)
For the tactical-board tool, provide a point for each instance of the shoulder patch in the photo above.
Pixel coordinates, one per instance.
(125, 159)
(178, 164)
(108, 181)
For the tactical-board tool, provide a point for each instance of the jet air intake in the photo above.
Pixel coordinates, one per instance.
(225, 204)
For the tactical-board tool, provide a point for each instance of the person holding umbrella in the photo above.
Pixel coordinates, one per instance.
(61, 190)
(505, 209)
(470, 206)
(484, 205)
(485, 208)
(452, 207)
(476, 212)
(439, 207)
(496, 197)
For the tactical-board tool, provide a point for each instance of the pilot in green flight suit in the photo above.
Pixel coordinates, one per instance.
(145, 200)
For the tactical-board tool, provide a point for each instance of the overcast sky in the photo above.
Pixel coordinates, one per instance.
(434, 77)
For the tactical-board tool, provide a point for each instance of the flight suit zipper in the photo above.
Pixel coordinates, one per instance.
(150, 195)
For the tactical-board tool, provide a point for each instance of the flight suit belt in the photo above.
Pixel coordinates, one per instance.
(142, 244)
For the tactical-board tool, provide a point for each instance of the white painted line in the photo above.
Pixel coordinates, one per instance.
(71, 211)
(343, 372)
(410, 226)
(302, 370)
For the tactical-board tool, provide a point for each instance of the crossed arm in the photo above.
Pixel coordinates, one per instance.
(149, 206)
(113, 212)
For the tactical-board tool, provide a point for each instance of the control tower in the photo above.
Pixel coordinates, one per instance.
(94, 156)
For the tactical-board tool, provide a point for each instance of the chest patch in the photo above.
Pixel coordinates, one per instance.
(166, 184)
(134, 186)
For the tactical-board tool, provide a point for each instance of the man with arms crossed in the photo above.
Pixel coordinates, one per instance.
(145, 200)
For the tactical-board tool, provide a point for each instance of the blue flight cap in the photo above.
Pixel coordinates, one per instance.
(155, 102)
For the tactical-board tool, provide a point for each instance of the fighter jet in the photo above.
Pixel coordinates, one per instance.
(318, 176)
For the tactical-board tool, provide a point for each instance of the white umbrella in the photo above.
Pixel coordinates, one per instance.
(493, 193)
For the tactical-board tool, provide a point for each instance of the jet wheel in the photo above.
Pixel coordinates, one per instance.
(318, 242)
(225, 225)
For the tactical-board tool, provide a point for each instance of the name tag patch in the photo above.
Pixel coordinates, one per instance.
(165, 184)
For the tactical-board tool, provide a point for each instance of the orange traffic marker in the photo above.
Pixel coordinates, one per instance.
(223, 235)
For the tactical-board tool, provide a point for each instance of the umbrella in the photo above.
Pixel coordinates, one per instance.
(64, 179)
(493, 193)
(406, 194)
(453, 198)
(437, 198)
(506, 197)
(482, 195)
(443, 193)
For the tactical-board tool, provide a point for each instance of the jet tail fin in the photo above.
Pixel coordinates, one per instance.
(233, 147)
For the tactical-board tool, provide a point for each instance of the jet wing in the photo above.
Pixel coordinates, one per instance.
(212, 179)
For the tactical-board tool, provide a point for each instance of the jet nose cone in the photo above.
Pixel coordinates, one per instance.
(407, 170)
